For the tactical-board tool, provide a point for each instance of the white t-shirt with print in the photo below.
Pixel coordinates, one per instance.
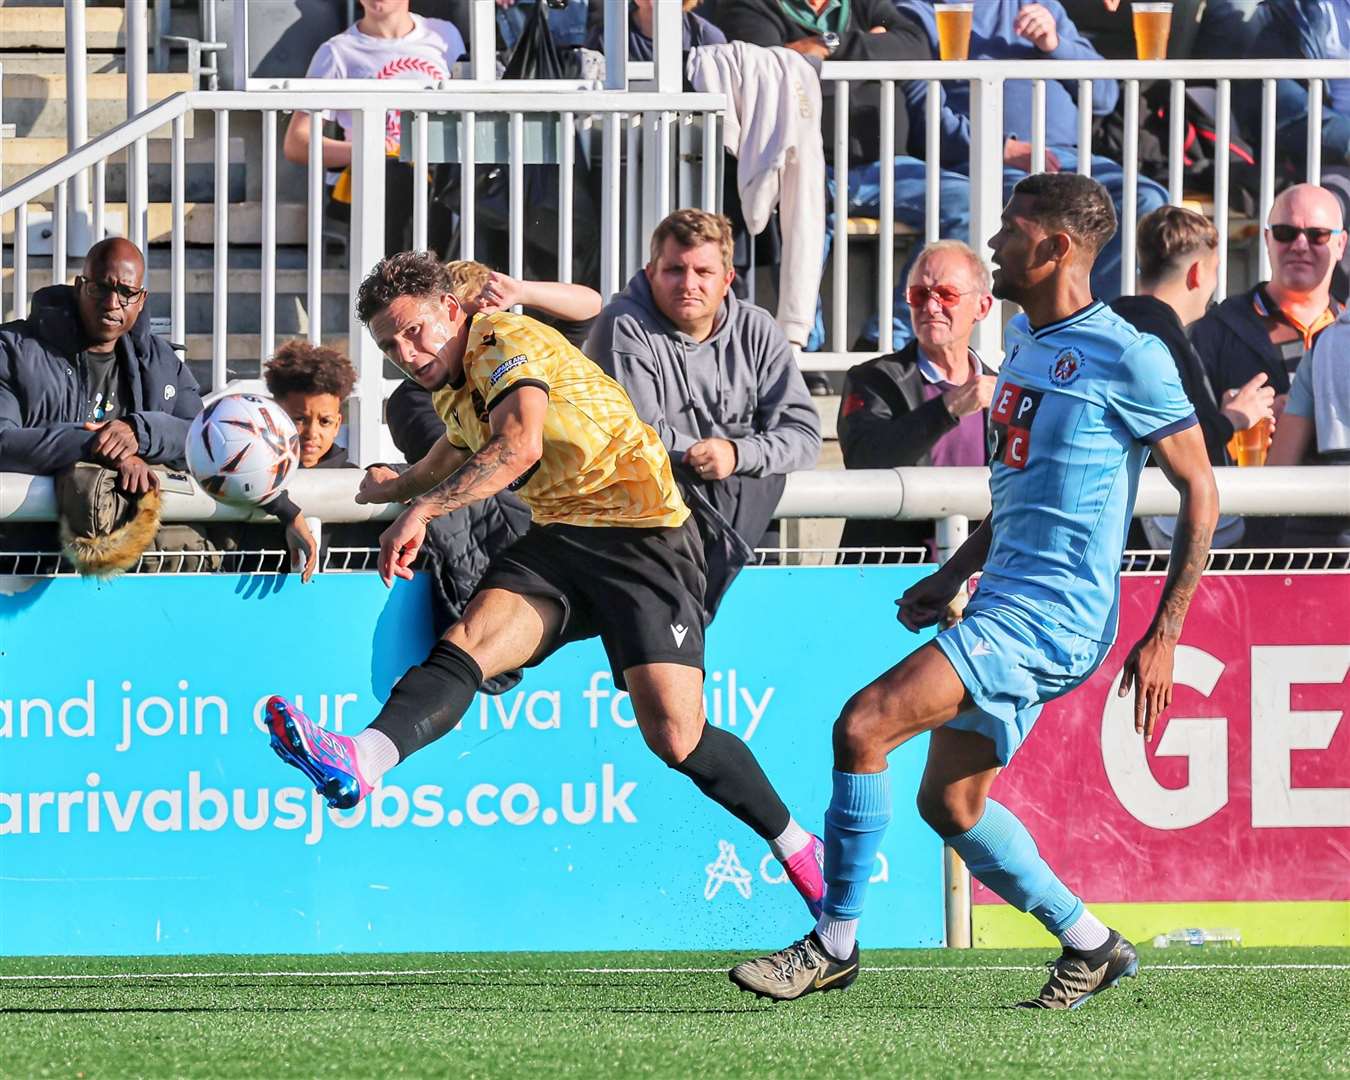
(427, 52)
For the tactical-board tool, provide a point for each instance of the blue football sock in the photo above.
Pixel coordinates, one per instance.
(1001, 853)
(854, 825)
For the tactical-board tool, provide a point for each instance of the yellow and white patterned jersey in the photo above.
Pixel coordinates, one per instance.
(601, 464)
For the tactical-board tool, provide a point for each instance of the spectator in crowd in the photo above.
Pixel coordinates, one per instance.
(1107, 25)
(1178, 269)
(1315, 428)
(311, 383)
(1269, 327)
(570, 309)
(697, 30)
(716, 378)
(82, 378)
(927, 403)
(567, 21)
(1009, 30)
(859, 30)
(1285, 30)
(388, 42)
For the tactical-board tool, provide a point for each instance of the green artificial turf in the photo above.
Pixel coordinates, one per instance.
(915, 1013)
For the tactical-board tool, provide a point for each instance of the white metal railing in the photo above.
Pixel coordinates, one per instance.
(986, 79)
(904, 494)
(652, 151)
(662, 126)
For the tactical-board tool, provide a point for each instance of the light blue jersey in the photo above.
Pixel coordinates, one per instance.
(1077, 405)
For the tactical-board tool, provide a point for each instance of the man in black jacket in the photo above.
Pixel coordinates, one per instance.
(924, 405)
(83, 379)
(1178, 268)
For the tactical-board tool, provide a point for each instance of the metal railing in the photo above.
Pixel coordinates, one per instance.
(904, 494)
(986, 79)
(650, 151)
(639, 144)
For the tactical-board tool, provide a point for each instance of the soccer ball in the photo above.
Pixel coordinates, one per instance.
(242, 448)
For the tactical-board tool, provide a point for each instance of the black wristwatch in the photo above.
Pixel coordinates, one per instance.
(831, 40)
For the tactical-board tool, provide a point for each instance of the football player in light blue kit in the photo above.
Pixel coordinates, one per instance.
(1082, 398)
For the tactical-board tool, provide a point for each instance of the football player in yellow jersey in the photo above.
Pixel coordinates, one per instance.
(612, 553)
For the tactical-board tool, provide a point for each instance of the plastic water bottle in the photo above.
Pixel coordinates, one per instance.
(1225, 937)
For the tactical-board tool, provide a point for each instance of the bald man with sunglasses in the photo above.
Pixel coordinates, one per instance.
(1269, 328)
(926, 404)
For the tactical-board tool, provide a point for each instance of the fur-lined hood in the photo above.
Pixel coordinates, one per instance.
(104, 532)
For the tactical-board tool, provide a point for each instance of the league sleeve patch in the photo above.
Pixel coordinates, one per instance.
(499, 372)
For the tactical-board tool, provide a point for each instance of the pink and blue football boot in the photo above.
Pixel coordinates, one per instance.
(327, 758)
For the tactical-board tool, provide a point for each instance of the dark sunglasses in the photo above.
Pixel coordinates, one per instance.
(100, 291)
(1287, 234)
(918, 295)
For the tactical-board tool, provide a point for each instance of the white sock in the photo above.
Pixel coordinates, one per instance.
(838, 936)
(791, 841)
(1088, 933)
(376, 754)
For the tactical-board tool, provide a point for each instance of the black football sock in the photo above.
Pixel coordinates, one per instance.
(725, 770)
(430, 699)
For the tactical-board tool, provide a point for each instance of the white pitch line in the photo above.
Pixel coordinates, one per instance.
(123, 976)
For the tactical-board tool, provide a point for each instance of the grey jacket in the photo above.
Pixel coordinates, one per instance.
(742, 384)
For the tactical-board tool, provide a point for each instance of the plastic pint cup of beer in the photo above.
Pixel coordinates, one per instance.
(1152, 24)
(1249, 446)
(953, 27)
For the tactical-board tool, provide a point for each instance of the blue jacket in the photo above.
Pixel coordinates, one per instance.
(992, 38)
(43, 401)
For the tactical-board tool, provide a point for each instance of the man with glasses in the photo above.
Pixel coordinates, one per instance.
(926, 404)
(1270, 327)
(82, 378)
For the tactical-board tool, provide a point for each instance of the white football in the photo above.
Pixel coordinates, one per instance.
(242, 449)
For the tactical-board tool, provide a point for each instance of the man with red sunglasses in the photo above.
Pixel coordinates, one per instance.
(1269, 328)
(926, 404)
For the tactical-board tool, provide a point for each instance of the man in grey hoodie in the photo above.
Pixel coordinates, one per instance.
(717, 380)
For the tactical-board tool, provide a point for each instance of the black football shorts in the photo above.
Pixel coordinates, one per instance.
(639, 590)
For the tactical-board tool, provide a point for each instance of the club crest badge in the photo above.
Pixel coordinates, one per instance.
(1066, 367)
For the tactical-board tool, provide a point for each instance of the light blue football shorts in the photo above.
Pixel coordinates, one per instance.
(1012, 664)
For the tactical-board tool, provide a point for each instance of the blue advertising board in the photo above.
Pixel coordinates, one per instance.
(142, 812)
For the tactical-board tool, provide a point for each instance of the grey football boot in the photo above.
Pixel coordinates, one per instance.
(804, 967)
(1074, 979)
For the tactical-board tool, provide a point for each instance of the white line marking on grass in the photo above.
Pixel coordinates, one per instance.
(123, 976)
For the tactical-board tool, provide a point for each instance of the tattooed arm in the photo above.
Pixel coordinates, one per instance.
(517, 424)
(1148, 668)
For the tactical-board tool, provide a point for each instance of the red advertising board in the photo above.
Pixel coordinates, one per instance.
(1244, 792)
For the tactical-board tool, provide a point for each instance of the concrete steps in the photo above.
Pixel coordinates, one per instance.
(199, 281)
(244, 307)
(44, 27)
(36, 104)
(245, 222)
(242, 352)
(54, 63)
(25, 156)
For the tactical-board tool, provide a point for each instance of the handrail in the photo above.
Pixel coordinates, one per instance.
(904, 494)
(470, 96)
(91, 153)
(1072, 70)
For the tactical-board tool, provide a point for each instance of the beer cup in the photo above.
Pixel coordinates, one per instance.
(1152, 24)
(953, 27)
(1248, 447)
